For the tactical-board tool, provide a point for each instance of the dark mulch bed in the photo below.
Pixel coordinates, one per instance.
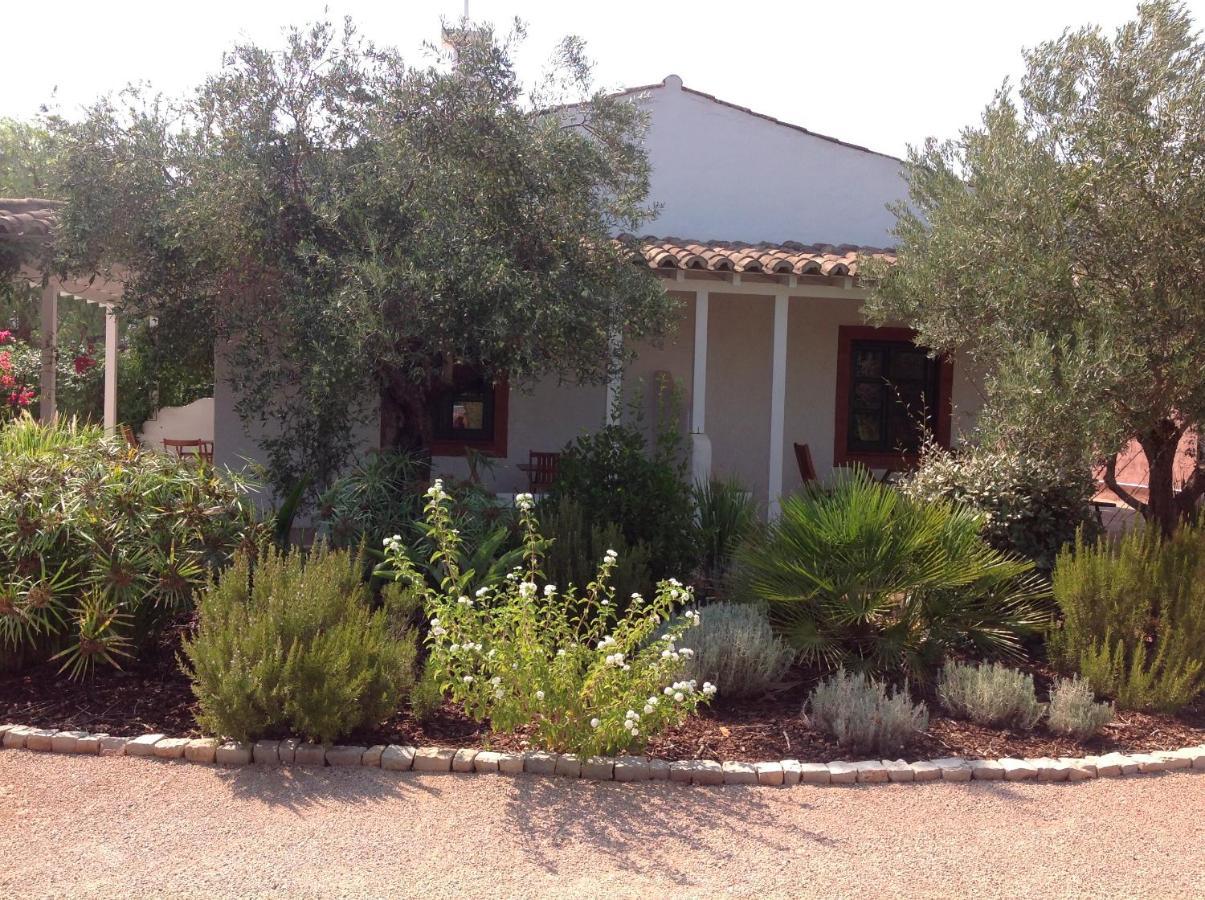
(155, 697)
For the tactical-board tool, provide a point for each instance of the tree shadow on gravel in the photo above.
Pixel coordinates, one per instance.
(299, 788)
(655, 827)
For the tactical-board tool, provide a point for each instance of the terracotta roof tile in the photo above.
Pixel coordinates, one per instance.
(788, 258)
(27, 218)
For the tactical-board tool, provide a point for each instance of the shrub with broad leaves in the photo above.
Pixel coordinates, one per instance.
(570, 670)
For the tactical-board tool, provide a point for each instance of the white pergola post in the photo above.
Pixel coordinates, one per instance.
(700, 443)
(614, 385)
(47, 404)
(778, 403)
(110, 369)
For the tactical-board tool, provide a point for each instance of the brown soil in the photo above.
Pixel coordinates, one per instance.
(156, 697)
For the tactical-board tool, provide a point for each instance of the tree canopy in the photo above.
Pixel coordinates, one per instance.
(1060, 245)
(350, 226)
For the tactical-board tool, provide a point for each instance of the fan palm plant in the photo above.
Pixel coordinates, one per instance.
(858, 575)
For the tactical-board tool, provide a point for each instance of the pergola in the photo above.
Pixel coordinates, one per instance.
(27, 229)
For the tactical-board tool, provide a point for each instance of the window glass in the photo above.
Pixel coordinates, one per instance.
(892, 397)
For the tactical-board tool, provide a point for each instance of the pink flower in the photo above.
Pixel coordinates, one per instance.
(5, 337)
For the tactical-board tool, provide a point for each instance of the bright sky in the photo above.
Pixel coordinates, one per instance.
(883, 74)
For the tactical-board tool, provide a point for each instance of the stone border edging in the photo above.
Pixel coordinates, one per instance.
(621, 768)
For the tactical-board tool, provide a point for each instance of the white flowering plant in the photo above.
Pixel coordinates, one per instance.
(566, 668)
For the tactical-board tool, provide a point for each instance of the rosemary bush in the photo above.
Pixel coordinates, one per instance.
(582, 677)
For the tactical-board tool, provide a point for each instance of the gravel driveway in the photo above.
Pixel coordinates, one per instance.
(84, 826)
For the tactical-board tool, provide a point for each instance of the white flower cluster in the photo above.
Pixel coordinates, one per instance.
(525, 502)
(680, 594)
(616, 660)
(679, 689)
(549, 590)
(606, 642)
(672, 653)
(611, 556)
(393, 544)
(527, 589)
(437, 629)
(631, 721)
(482, 591)
(436, 491)
(468, 647)
(464, 601)
(709, 689)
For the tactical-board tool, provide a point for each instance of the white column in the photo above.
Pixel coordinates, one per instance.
(698, 390)
(110, 370)
(47, 403)
(611, 415)
(778, 403)
(700, 443)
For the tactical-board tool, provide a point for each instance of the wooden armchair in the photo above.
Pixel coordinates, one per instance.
(191, 448)
(803, 457)
(541, 470)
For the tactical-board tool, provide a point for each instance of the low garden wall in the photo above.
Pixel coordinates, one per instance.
(623, 768)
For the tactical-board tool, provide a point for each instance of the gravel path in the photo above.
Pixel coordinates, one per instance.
(83, 826)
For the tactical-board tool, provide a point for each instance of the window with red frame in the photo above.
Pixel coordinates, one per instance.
(470, 412)
(890, 394)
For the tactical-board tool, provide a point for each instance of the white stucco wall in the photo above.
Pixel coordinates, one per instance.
(191, 422)
(724, 173)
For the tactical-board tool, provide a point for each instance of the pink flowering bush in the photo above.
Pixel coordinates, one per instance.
(583, 678)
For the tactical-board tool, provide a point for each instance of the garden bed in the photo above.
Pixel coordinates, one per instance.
(156, 697)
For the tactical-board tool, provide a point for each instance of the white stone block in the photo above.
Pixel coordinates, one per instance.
(266, 753)
(739, 773)
(89, 744)
(287, 751)
(924, 770)
(538, 762)
(202, 750)
(1019, 769)
(597, 768)
(898, 770)
(433, 759)
(790, 771)
(987, 770)
(510, 763)
(953, 768)
(871, 771)
(309, 755)
(65, 741)
(633, 768)
(707, 771)
(144, 745)
(814, 773)
(171, 748)
(486, 761)
(233, 753)
(769, 773)
(681, 770)
(40, 739)
(396, 758)
(1148, 762)
(113, 746)
(568, 766)
(842, 772)
(14, 737)
(372, 756)
(1051, 769)
(344, 755)
(659, 769)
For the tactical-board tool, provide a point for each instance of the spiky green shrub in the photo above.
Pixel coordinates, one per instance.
(1074, 710)
(735, 647)
(575, 546)
(861, 576)
(288, 644)
(862, 716)
(726, 514)
(1134, 617)
(101, 544)
(990, 694)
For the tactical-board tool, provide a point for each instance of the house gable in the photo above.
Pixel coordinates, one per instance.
(723, 171)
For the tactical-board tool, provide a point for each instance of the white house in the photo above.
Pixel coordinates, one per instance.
(760, 228)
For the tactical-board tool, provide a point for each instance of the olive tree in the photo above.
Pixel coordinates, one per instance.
(1060, 244)
(350, 227)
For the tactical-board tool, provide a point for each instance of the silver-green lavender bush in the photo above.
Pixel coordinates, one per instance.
(862, 716)
(990, 694)
(1074, 709)
(736, 648)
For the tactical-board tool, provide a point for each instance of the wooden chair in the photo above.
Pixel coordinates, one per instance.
(541, 470)
(128, 433)
(803, 456)
(192, 448)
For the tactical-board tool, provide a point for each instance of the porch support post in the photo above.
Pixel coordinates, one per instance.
(50, 331)
(110, 370)
(614, 384)
(700, 443)
(778, 403)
